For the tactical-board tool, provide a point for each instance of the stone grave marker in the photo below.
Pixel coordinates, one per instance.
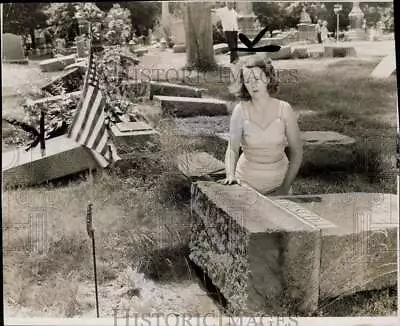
(63, 157)
(189, 106)
(385, 68)
(131, 133)
(339, 51)
(284, 254)
(13, 49)
(57, 64)
(169, 89)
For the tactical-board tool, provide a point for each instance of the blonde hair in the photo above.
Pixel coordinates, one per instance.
(238, 87)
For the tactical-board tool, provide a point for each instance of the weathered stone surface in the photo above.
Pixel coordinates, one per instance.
(315, 54)
(140, 52)
(315, 138)
(13, 50)
(189, 106)
(168, 89)
(221, 48)
(198, 164)
(300, 53)
(70, 80)
(359, 252)
(133, 133)
(385, 68)
(47, 100)
(261, 257)
(339, 51)
(179, 48)
(63, 157)
(57, 64)
(285, 52)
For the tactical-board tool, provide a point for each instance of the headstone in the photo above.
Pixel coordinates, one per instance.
(247, 20)
(63, 157)
(356, 17)
(133, 133)
(81, 47)
(13, 49)
(385, 68)
(305, 17)
(168, 89)
(306, 32)
(178, 34)
(60, 45)
(56, 64)
(189, 106)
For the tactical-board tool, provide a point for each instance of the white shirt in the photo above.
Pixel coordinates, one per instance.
(228, 19)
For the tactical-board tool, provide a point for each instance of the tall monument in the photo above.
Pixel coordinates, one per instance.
(247, 20)
(356, 17)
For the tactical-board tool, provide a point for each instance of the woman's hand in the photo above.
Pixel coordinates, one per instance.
(229, 180)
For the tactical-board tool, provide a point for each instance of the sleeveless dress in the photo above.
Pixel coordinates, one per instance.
(263, 163)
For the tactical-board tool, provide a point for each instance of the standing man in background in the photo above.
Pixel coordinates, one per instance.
(229, 22)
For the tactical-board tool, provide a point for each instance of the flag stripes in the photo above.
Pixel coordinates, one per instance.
(88, 127)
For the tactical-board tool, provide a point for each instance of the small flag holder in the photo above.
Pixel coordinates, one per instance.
(90, 232)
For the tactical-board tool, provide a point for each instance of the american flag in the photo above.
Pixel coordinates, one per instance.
(88, 127)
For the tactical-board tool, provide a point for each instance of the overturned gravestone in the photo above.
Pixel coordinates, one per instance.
(56, 64)
(133, 133)
(189, 106)
(168, 89)
(385, 68)
(284, 254)
(261, 257)
(358, 251)
(13, 49)
(63, 157)
(285, 52)
(339, 51)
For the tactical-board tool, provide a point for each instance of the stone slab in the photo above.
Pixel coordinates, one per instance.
(315, 138)
(262, 258)
(190, 106)
(300, 53)
(385, 68)
(63, 157)
(200, 164)
(56, 64)
(358, 239)
(179, 48)
(285, 52)
(169, 89)
(56, 98)
(221, 48)
(68, 80)
(140, 52)
(133, 133)
(339, 51)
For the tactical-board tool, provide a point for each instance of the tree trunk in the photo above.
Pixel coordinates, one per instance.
(32, 33)
(199, 39)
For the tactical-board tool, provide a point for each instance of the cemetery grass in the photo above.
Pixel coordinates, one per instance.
(141, 208)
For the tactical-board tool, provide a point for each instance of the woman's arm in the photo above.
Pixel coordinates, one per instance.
(235, 138)
(295, 146)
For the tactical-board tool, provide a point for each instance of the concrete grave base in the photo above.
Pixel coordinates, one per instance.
(133, 133)
(300, 53)
(285, 52)
(168, 89)
(57, 64)
(190, 106)
(63, 157)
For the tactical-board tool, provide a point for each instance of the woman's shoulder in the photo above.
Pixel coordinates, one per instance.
(286, 109)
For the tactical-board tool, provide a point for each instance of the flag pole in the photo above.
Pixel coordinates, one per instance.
(89, 225)
(41, 135)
